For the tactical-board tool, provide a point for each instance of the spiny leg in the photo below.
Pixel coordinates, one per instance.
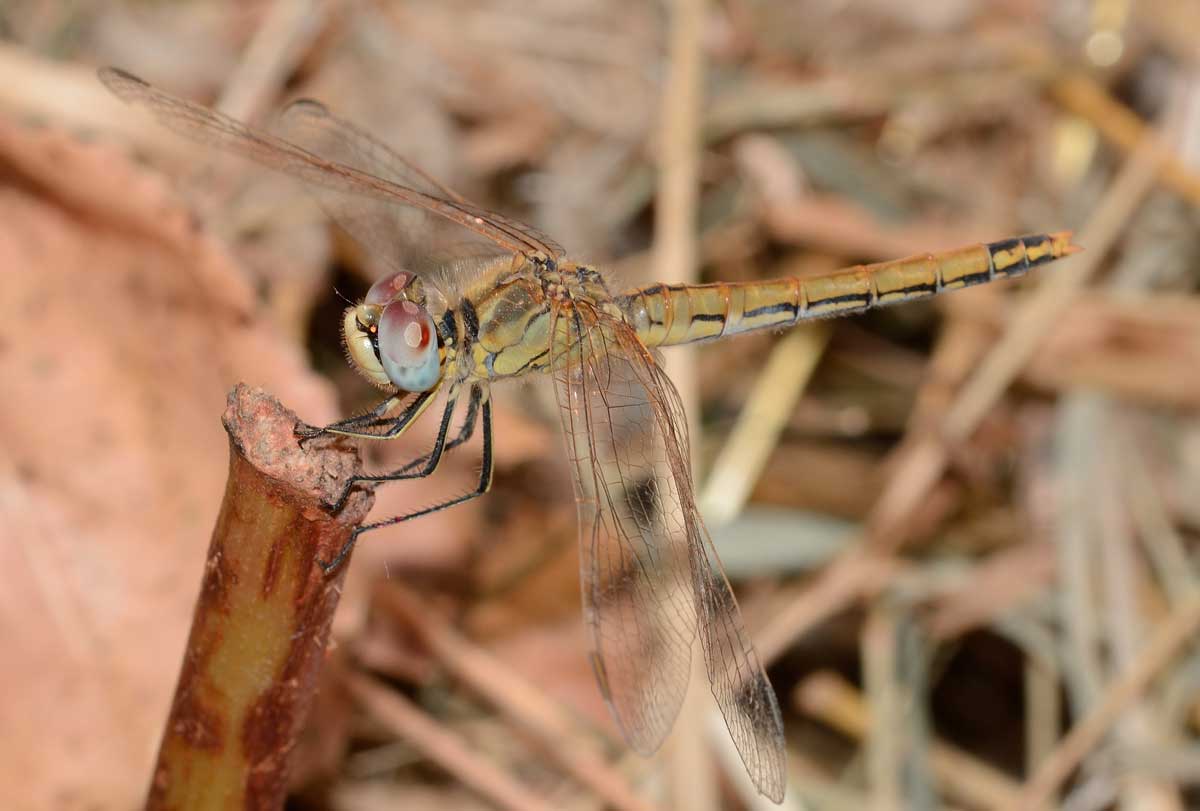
(428, 463)
(368, 419)
(485, 477)
(485, 481)
(465, 431)
(351, 425)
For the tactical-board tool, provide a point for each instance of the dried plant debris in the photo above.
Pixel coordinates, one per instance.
(965, 547)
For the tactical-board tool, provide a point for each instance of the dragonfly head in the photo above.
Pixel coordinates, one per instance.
(391, 337)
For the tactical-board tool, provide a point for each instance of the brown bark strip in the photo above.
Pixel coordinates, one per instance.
(263, 615)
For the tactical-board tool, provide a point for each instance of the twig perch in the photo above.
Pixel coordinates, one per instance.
(263, 615)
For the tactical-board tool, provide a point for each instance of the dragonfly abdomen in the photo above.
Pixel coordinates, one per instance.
(667, 315)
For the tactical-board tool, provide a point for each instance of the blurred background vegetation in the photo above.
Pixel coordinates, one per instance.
(964, 532)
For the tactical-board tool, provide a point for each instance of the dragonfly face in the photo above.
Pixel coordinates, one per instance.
(391, 338)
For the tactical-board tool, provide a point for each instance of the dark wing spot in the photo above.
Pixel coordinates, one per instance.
(643, 500)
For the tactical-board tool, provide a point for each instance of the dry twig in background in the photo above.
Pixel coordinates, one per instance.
(966, 437)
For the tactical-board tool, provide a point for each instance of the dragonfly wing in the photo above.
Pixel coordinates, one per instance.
(635, 569)
(641, 533)
(310, 124)
(421, 205)
(407, 239)
(738, 681)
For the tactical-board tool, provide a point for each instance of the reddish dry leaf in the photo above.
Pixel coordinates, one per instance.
(122, 327)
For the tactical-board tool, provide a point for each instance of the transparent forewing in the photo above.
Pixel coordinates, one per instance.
(359, 198)
(650, 574)
(406, 237)
(311, 125)
(635, 569)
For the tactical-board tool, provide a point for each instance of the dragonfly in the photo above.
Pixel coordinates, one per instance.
(471, 298)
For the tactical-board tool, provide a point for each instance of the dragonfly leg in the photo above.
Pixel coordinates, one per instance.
(370, 418)
(466, 430)
(427, 463)
(354, 426)
(485, 479)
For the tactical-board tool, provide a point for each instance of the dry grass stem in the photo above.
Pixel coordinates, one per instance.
(831, 699)
(976, 506)
(1164, 644)
(442, 746)
(557, 732)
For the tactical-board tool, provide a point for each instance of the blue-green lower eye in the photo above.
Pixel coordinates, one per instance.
(408, 346)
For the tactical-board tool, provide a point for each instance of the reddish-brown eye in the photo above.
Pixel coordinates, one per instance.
(389, 288)
(408, 346)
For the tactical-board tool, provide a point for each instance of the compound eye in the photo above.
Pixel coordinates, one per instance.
(389, 288)
(408, 346)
